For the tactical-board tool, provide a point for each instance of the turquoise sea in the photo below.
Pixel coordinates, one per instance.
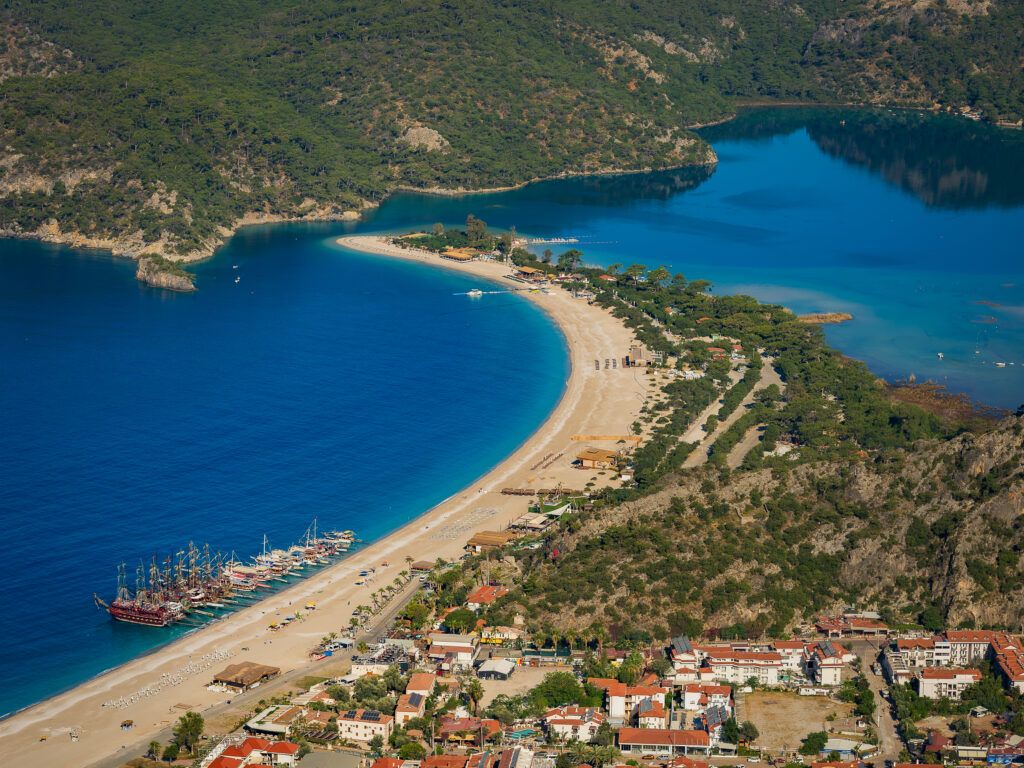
(361, 391)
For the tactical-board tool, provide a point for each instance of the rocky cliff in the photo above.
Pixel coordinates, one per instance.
(160, 273)
(931, 535)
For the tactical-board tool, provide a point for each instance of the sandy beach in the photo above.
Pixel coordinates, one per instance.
(597, 401)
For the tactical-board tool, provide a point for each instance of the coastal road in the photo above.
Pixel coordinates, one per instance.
(245, 701)
(699, 455)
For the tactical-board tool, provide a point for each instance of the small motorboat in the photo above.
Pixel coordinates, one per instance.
(475, 293)
(238, 280)
(941, 356)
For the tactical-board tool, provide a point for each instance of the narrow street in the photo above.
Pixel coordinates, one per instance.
(889, 743)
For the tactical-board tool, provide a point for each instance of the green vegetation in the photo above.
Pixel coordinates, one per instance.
(758, 550)
(813, 743)
(166, 122)
(187, 732)
(858, 692)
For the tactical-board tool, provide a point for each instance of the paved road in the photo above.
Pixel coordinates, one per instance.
(245, 700)
(889, 743)
(699, 455)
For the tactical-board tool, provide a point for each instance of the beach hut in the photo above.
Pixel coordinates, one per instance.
(597, 458)
(245, 675)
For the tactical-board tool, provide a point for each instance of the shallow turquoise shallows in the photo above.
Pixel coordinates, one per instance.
(361, 391)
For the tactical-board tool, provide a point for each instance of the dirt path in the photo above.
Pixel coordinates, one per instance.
(743, 447)
(699, 455)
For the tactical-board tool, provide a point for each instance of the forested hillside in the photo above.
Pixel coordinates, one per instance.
(162, 124)
(931, 536)
(848, 496)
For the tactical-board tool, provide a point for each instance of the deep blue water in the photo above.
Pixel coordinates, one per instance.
(326, 383)
(134, 420)
(914, 224)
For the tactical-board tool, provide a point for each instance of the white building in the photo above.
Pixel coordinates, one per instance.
(663, 742)
(945, 682)
(363, 724)
(736, 666)
(574, 723)
(624, 700)
(700, 696)
(967, 646)
(824, 662)
(792, 653)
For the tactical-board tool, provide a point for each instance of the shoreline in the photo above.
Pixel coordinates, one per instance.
(592, 402)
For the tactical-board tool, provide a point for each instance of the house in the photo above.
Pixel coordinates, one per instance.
(245, 675)
(684, 659)
(363, 724)
(253, 751)
(713, 721)
(421, 683)
(281, 753)
(483, 596)
(824, 661)
(488, 541)
(623, 701)
(698, 697)
(597, 458)
(652, 714)
(573, 723)
(422, 566)
(467, 730)
(496, 669)
(409, 707)
(663, 741)
(945, 682)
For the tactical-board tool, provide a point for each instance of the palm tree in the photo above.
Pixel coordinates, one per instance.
(474, 691)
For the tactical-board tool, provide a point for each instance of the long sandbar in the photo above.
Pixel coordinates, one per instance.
(596, 401)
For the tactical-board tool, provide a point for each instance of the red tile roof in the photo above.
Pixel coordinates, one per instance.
(283, 748)
(387, 762)
(226, 762)
(971, 635)
(445, 761)
(722, 690)
(486, 595)
(664, 737)
(948, 673)
(421, 681)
